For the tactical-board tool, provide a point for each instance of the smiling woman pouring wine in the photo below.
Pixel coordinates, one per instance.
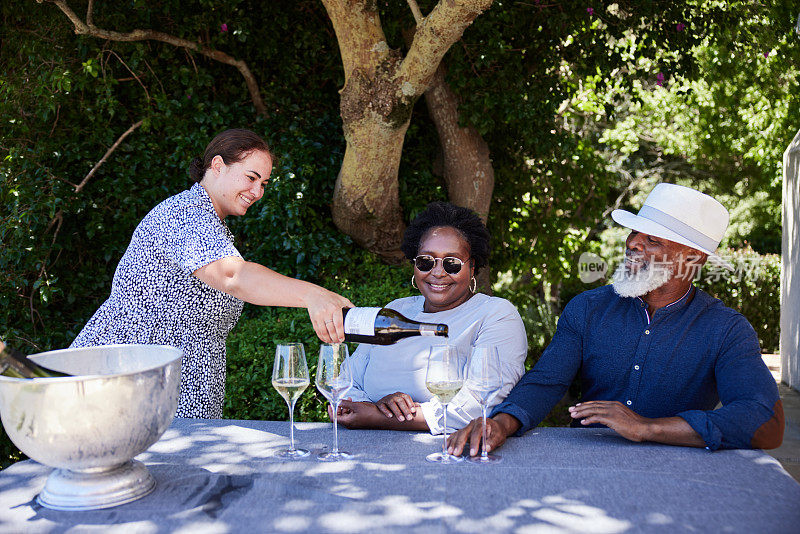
(447, 245)
(181, 282)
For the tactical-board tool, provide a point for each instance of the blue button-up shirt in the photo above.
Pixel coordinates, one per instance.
(683, 361)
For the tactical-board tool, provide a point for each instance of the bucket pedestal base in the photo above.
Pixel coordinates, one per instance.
(73, 490)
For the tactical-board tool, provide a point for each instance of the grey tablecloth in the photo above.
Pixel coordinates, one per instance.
(221, 476)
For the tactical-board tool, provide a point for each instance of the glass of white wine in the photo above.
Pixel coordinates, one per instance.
(333, 381)
(290, 379)
(444, 378)
(483, 381)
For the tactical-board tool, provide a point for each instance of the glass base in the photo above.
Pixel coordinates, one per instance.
(441, 458)
(488, 459)
(292, 454)
(334, 456)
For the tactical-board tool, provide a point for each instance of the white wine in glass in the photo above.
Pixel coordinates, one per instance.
(444, 378)
(334, 380)
(290, 378)
(483, 381)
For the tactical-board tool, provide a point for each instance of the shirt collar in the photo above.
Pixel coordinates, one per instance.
(202, 195)
(205, 202)
(672, 306)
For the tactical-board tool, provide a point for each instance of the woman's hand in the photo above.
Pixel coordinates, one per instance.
(357, 415)
(325, 311)
(399, 405)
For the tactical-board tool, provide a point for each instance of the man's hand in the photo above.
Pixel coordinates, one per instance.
(614, 415)
(399, 405)
(630, 425)
(497, 429)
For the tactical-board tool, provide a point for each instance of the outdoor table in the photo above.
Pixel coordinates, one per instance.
(221, 476)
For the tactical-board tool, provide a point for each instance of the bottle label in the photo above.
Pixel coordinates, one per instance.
(361, 321)
(427, 329)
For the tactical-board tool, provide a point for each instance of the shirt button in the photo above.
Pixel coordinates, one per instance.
(647, 332)
(636, 367)
(628, 403)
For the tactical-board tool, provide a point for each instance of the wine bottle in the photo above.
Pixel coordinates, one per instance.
(384, 326)
(16, 365)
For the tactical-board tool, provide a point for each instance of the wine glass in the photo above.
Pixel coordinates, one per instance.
(444, 378)
(290, 378)
(333, 381)
(483, 381)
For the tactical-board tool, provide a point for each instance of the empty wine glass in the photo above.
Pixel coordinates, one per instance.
(444, 378)
(483, 381)
(333, 381)
(290, 378)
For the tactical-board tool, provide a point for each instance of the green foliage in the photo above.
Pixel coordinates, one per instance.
(753, 290)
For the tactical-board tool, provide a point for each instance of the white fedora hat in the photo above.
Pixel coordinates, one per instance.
(682, 215)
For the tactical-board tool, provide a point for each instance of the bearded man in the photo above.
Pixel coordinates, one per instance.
(655, 355)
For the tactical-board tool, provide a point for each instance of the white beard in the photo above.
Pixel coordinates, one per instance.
(641, 282)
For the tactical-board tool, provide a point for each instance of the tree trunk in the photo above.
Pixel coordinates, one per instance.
(366, 202)
(381, 87)
(467, 167)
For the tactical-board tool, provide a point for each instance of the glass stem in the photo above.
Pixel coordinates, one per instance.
(291, 425)
(335, 428)
(444, 433)
(484, 453)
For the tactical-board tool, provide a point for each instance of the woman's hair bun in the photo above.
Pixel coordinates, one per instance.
(196, 170)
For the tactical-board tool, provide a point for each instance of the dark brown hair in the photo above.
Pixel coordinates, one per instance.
(232, 146)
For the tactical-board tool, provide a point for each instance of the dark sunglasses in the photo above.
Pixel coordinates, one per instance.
(426, 262)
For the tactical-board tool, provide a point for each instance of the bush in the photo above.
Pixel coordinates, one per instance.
(753, 290)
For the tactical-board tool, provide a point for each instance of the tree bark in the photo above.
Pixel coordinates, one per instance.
(381, 87)
(467, 167)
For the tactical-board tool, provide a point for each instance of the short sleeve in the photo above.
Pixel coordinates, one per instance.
(199, 238)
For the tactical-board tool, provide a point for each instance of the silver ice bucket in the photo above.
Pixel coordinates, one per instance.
(89, 426)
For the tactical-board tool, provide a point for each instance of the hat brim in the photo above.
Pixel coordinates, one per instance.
(646, 226)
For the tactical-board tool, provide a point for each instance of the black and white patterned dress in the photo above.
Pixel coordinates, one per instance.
(156, 300)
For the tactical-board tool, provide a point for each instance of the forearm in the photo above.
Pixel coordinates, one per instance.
(415, 422)
(365, 415)
(671, 431)
(257, 284)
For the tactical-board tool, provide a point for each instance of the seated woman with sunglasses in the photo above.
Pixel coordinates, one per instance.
(448, 245)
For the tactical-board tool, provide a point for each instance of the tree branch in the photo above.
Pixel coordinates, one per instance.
(88, 28)
(146, 92)
(435, 35)
(362, 43)
(415, 11)
(121, 138)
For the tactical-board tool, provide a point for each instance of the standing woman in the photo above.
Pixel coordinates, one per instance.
(182, 282)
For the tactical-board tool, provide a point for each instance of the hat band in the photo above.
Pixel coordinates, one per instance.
(684, 230)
